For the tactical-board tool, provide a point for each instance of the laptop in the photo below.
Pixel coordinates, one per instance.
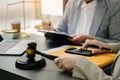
(13, 47)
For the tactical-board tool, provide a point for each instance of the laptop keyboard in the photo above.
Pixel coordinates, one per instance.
(6, 45)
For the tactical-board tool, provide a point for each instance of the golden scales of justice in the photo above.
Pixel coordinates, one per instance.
(9, 31)
(24, 34)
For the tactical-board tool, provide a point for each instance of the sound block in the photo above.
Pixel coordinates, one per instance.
(22, 63)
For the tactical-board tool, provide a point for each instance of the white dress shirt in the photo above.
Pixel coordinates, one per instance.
(85, 17)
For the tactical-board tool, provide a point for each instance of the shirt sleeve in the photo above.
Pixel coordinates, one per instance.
(86, 70)
(115, 46)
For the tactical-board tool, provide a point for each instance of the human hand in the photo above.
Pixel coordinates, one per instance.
(47, 25)
(79, 38)
(67, 61)
(96, 43)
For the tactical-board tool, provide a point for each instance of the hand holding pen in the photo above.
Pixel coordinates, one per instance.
(99, 47)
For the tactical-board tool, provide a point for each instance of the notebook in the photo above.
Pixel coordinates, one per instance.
(13, 47)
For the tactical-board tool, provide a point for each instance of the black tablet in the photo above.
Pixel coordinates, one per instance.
(57, 36)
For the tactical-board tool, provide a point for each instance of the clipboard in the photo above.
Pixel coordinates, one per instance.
(54, 34)
(57, 36)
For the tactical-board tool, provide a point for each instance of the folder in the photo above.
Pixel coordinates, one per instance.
(101, 60)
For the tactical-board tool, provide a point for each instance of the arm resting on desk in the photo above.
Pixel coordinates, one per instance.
(88, 71)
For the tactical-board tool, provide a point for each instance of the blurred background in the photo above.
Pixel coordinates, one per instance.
(30, 12)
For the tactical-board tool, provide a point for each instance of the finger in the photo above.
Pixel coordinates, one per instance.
(88, 42)
(66, 69)
(56, 61)
(95, 51)
(63, 67)
(85, 45)
(45, 27)
(81, 48)
(76, 37)
(60, 63)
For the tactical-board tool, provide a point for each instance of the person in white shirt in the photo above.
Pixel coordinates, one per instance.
(84, 69)
(92, 19)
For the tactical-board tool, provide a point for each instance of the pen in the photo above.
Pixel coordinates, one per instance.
(103, 48)
(100, 47)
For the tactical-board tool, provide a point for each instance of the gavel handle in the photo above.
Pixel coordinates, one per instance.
(51, 57)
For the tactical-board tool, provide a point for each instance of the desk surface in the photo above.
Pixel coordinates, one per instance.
(50, 72)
